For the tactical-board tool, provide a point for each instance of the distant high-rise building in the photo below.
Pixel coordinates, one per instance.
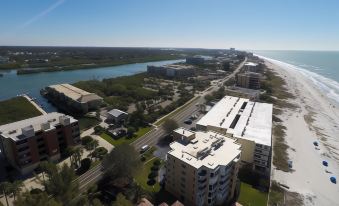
(202, 167)
(25, 143)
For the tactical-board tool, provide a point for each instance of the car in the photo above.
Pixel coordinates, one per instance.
(144, 148)
(188, 121)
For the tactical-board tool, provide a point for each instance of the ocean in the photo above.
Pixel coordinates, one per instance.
(321, 67)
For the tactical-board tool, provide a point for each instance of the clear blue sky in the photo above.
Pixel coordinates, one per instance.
(244, 24)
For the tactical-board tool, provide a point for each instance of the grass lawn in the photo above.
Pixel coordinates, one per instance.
(16, 109)
(251, 197)
(87, 122)
(142, 177)
(122, 140)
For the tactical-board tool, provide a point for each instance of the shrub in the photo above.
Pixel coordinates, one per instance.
(143, 158)
(35, 191)
(151, 182)
(153, 174)
(86, 140)
(99, 152)
(157, 162)
(98, 129)
(155, 168)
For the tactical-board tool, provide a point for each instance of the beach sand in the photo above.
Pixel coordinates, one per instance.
(315, 119)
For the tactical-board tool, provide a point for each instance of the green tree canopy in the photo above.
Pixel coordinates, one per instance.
(169, 125)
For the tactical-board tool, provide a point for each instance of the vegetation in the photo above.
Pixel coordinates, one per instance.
(143, 177)
(122, 201)
(125, 139)
(39, 199)
(60, 183)
(87, 122)
(169, 125)
(99, 153)
(251, 197)
(16, 109)
(122, 162)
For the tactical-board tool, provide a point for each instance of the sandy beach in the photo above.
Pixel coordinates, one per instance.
(315, 119)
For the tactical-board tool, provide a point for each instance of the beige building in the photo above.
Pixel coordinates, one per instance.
(202, 167)
(249, 122)
(71, 98)
(25, 143)
(250, 80)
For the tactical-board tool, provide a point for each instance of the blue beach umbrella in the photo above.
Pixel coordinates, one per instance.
(333, 180)
(315, 143)
(325, 163)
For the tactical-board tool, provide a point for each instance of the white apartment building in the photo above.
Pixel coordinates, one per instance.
(249, 122)
(202, 167)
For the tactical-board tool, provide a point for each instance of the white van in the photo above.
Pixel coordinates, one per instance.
(144, 148)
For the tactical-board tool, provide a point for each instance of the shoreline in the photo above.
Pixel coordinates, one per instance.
(314, 119)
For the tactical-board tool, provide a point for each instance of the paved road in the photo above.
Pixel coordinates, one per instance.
(153, 137)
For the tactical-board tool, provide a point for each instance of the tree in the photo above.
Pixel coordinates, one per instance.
(93, 145)
(121, 201)
(16, 187)
(169, 125)
(99, 152)
(6, 188)
(75, 154)
(123, 161)
(40, 199)
(86, 140)
(60, 183)
(130, 131)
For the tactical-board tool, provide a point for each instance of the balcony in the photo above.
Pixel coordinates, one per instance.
(213, 180)
(202, 173)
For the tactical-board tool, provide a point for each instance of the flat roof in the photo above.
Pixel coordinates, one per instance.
(254, 119)
(75, 93)
(251, 64)
(14, 130)
(208, 149)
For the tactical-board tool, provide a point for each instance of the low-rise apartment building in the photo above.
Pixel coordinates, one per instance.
(172, 70)
(25, 143)
(249, 122)
(202, 167)
(195, 60)
(71, 98)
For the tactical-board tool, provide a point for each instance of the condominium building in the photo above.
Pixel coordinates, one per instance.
(195, 60)
(202, 167)
(172, 70)
(250, 80)
(73, 99)
(25, 143)
(249, 122)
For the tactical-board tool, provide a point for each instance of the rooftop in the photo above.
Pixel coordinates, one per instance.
(116, 112)
(75, 93)
(251, 64)
(15, 130)
(242, 118)
(208, 149)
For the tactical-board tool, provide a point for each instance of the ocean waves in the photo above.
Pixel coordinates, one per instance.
(327, 86)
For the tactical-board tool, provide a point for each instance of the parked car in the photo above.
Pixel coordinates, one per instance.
(188, 121)
(144, 148)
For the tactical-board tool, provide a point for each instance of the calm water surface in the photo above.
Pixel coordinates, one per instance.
(11, 84)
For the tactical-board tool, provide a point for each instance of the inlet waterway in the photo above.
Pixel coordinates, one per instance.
(12, 84)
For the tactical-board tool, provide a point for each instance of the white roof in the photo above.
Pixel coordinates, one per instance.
(75, 93)
(208, 149)
(254, 123)
(116, 112)
(14, 130)
(251, 64)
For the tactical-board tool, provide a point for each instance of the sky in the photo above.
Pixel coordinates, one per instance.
(243, 24)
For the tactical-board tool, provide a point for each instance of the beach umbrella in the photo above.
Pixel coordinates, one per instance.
(333, 180)
(315, 143)
(325, 163)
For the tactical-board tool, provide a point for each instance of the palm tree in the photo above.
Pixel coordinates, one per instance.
(6, 188)
(16, 187)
